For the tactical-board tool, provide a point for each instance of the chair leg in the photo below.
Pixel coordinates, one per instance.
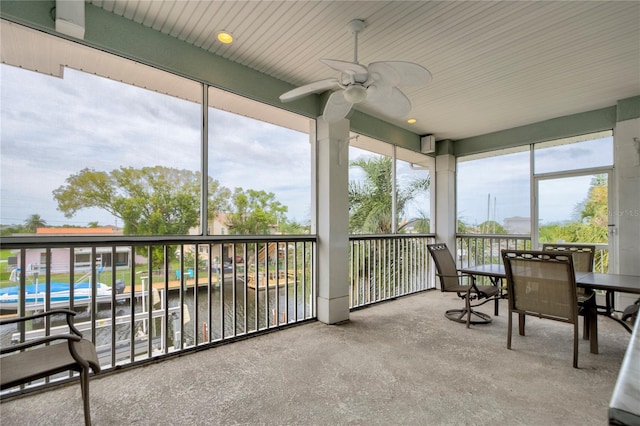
(521, 321)
(509, 322)
(593, 329)
(575, 345)
(586, 323)
(464, 315)
(84, 388)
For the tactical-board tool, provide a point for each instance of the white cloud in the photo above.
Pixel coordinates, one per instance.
(57, 127)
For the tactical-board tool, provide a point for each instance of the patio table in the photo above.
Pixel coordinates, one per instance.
(609, 283)
(624, 408)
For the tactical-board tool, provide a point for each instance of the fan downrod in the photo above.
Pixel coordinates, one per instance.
(355, 27)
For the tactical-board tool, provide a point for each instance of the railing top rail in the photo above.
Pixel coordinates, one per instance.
(142, 240)
(519, 236)
(354, 237)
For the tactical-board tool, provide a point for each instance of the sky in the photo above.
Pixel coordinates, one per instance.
(57, 127)
(51, 128)
(498, 187)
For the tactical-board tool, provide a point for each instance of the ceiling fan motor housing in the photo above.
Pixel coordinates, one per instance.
(375, 85)
(355, 93)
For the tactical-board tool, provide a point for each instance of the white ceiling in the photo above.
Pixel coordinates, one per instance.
(495, 65)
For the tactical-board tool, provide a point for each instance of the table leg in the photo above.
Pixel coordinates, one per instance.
(610, 309)
(498, 283)
(593, 328)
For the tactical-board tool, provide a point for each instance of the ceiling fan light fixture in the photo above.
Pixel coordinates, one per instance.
(355, 94)
(412, 121)
(225, 37)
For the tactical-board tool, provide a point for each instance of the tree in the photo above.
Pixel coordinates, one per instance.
(293, 227)
(420, 224)
(590, 218)
(594, 214)
(492, 227)
(463, 228)
(595, 208)
(589, 224)
(370, 201)
(254, 212)
(34, 222)
(150, 201)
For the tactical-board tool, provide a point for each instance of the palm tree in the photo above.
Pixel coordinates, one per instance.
(370, 208)
(34, 222)
(370, 201)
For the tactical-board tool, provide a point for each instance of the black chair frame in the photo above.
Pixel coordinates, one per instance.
(42, 357)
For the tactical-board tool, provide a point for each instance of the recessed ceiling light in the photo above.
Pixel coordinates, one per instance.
(225, 37)
(412, 121)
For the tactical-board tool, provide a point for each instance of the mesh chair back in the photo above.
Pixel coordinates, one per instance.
(446, 266)
(541, 283)
(583, 255)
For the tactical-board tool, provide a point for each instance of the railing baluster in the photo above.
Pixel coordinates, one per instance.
(383, 267)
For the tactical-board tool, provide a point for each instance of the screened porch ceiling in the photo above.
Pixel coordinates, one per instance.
(495, 65)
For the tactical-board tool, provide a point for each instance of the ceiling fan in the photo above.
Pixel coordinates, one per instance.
(375, 85)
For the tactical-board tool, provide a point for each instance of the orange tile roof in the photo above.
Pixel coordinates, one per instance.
(76, 231)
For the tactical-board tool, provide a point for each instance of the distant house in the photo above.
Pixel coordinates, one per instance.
(218, 225)
(36, 259)
(517, 225)
(98, 230)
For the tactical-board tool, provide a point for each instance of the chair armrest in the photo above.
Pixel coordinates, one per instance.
(68, 312)
(40, 341)
(459, 275)
(69, 317)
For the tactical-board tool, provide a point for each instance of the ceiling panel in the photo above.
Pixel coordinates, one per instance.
(496, 65)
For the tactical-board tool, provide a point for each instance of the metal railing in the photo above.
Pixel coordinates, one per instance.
(230, 288)
(180, 294)
(478, 249)
(383, 267)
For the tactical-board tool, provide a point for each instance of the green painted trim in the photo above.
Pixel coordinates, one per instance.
(128, 39)
(381, 130)
(556, 128)
(445, 146)
(123, 37)
(34, 14)
(628, 109)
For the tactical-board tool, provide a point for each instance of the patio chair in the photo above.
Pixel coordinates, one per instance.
(542, 284)
(583, 256)
(451, 280)
(41, 357)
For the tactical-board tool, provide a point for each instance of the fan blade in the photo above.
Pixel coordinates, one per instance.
(399, 73)
(337, 107)
(316, 87)
(350, 68)
(387, 100)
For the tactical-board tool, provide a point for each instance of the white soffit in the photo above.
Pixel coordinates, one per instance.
(40, 52)
(495, 64)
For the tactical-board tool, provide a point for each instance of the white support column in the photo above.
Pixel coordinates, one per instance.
(333, 221)
(626, 213)
(626, 216)
(445, 229)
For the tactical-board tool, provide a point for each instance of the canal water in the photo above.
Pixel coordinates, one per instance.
(221, 313)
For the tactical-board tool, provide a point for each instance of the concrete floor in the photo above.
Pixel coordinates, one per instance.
(396, 363)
